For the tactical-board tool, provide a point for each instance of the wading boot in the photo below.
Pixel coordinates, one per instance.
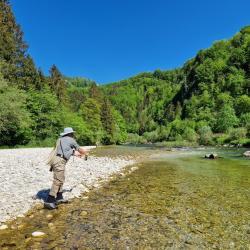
(50, 203)
(60, 199)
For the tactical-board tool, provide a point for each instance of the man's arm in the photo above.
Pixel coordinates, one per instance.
(79, 151)
(82, 151)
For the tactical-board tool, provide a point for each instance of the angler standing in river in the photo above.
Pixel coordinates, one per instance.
(66, 146)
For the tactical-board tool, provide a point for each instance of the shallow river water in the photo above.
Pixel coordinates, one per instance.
(173, 200)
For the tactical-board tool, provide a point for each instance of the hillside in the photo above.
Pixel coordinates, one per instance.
(209, 94)
(206, 101)
(35, 107)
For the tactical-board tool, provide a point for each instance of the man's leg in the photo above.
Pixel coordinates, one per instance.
(58, 180)
(59, 195)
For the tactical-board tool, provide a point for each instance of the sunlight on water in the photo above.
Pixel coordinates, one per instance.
(175, 200)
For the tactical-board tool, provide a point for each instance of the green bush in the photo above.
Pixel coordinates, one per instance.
(178, 138)
(190, 135)
(163, 133)
(206, 135)
(15, 122)
(120, 134)
(226, 119)
(236, 134)
(46, 114)
(135, 139)
(222, 138)
(245, 122)
(177, 128)
(152, 136)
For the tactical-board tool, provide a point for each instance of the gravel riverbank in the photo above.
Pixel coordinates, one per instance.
(25, 178)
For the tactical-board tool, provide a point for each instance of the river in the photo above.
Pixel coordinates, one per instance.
(173, 200)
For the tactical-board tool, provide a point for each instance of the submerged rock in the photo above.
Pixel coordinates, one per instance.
(49, 216)
(21, 226)
(84, 213)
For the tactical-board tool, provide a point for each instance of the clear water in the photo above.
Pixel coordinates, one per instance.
(174, 200)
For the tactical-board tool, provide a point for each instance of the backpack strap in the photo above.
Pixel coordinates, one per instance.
(62, 149)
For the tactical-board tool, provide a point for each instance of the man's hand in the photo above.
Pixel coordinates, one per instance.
(81, 152)
(77, 154)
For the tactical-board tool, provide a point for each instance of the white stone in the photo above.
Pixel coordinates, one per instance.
(23, 173)
(38, 234)
(2, 227)
(49, 216)
(247, 154)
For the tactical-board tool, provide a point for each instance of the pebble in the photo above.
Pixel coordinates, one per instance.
(20, 226)
(84, 213)
(26, 174)
(231, 244)
(50, 224)
(49, 216)
(134, 168)
(13, 227)
(38, 234)
(2, 227)
(27, 239)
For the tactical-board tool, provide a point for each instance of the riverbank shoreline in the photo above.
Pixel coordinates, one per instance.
(25, 178)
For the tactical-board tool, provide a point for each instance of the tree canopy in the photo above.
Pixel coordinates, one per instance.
(206, 101)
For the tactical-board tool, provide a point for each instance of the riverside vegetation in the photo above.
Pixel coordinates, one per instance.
(204, 102)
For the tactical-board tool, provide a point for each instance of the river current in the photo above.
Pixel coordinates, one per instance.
(172, 200)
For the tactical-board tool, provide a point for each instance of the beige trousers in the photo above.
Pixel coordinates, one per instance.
(58, 176)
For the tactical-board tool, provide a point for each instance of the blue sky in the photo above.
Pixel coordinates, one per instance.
(110, 40)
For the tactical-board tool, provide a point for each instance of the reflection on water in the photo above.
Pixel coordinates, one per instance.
(173, 201)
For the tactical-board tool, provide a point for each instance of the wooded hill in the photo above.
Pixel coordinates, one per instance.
(206, 101)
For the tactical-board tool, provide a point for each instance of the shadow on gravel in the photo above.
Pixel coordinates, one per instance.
(42, 194)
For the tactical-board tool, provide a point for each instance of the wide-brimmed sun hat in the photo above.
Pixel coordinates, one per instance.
(67, 131)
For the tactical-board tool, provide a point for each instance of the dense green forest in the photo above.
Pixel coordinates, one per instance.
(204, 102)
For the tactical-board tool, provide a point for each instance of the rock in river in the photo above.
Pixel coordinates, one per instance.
(246, 154)
(84, 213)
(49, 216)
(211, 156)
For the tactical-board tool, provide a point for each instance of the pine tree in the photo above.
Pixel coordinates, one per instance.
(19, 67)
(12, 45)
(108, 121)
(57, 83)
(95, 92)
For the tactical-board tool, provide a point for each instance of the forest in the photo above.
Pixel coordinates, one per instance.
(205, 102)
